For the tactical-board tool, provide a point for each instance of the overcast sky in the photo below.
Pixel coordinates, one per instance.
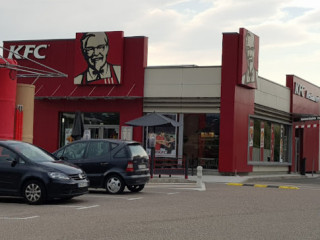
(182, 31)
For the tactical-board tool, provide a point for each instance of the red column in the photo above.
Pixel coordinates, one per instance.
(18, 123)
(8, 85)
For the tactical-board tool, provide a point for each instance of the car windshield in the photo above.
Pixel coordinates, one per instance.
(32, 152)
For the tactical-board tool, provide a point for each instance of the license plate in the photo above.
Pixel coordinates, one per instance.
(82, 184)
(142, 166)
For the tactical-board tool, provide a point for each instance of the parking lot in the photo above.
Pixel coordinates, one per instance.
(84, 217)
(168, 211)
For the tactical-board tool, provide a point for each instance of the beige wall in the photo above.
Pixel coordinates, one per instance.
(25, 97)
(272, 95)
(184, 81)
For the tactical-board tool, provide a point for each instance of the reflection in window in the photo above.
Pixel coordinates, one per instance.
(75, 151)
(97, 149)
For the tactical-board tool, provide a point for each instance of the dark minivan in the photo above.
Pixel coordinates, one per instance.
(36, 175)
(109, 163)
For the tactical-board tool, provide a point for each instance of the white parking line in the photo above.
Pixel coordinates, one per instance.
(171, 193)
(87, 207)
(104, 196)
(202, 188)
(113, 197)
(80, 207)
(130, 199)
(18, 218)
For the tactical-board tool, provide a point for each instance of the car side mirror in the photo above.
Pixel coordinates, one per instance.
(14, 163)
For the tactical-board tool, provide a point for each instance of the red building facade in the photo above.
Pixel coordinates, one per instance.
(251, 123)
(305, 109)
(57, 99)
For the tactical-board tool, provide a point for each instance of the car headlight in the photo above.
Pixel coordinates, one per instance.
(58, 175)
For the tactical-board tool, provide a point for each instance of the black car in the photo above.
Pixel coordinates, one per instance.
(109, 163)
(36, 175)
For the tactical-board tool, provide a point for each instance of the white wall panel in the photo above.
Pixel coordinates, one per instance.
(183, 82)
(272, 95)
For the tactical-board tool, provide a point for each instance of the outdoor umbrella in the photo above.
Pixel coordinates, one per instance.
(153, 119)
(78, 128)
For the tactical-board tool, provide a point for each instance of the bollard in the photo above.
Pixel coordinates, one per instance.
(199, 176)
(303, 166)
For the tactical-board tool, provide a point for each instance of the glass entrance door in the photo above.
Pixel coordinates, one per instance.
(102, 132)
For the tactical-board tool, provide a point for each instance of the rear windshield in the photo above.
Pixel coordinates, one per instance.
(137, 151)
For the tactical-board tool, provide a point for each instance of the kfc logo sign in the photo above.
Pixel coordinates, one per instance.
(24, 51)
(301, 91)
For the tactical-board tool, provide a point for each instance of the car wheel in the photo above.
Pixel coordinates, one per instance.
(34, 192)
(114, 184)
(135, 188)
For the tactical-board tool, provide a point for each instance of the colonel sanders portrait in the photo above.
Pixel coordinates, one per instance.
(95, 48)
(251, 74)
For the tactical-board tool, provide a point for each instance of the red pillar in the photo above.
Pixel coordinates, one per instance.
(8, 85)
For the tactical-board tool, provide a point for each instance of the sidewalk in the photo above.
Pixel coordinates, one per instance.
(226, 179)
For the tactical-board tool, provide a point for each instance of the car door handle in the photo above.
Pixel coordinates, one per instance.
(104, 164)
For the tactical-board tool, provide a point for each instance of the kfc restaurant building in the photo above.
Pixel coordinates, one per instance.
(233, 120)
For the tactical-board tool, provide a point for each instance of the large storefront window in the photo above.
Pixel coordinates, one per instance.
(268, 141)
(166, 138)
(96, 125)
(201, 140)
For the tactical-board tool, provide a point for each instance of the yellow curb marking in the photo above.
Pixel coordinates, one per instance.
(261, 186)
(287, 187)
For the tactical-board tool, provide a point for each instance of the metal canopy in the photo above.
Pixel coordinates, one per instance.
(302, 117)
(22, 71)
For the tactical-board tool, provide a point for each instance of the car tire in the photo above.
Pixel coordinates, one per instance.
(114, 184)
(135, 188)
(34, 192)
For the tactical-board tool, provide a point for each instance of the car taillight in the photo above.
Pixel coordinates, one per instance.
(130, 167)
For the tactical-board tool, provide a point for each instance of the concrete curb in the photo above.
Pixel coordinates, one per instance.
(228, 179)
(171, 180)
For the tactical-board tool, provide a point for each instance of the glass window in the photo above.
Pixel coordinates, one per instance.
(7, 155)
(75, 151)
(257, 133)
(59, 153)
(97, 125)
(97, 149)
(122, 153)
(137, 151)
(114, 145)
(165, 137)
(274, 143)
(267, 135)
(32, 152)
(101, 118)
(201, 139)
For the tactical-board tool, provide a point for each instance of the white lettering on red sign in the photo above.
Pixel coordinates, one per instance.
(300, 90)
(23, 51)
